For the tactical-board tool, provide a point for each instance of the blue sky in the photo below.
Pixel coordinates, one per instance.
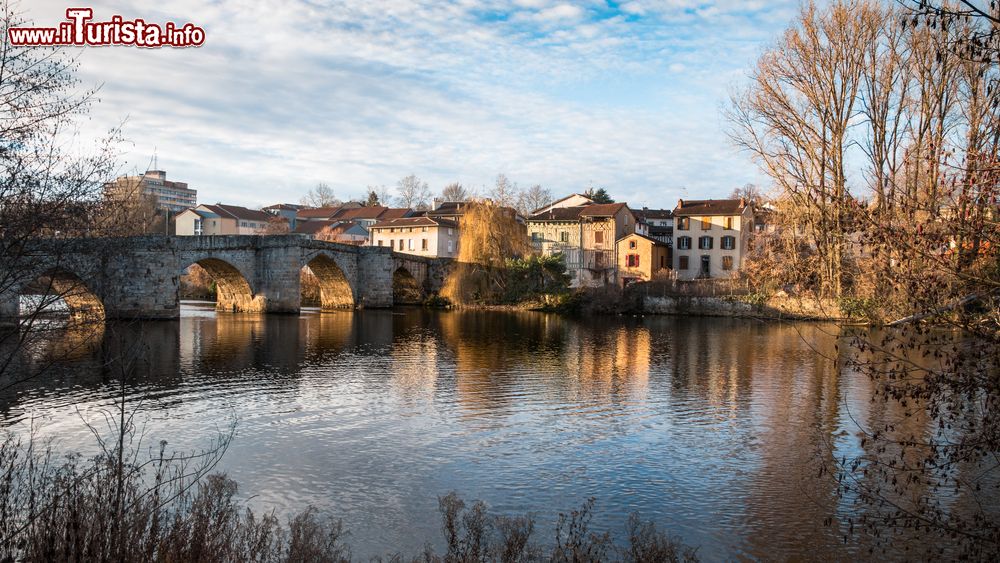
(283, 95)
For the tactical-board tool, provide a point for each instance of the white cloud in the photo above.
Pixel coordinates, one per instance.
(286, 94)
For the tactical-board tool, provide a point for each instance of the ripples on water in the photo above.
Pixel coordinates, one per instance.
(710, 427)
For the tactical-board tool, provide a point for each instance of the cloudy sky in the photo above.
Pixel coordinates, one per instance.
(286, 94)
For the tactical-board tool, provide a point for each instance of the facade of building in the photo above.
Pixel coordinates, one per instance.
(423, 236)
(657, 224)
(222, 219)
(711, 237)
(585, 236)
(640, 258)
(171, 196)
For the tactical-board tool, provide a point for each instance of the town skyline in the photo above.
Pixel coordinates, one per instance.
(624, 97)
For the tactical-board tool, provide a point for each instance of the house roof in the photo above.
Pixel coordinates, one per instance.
(285, 207)
(644, 213)
(558, 214)
(313, 227)
(237, 212)
(416, 222)
(710, 207)
(373, 212)
(602, 209)
(560, 200)
(637, 235)
(449, 208)
(396, 213)
(320, 212)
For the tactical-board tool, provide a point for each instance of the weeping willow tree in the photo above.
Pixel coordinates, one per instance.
(489, 237)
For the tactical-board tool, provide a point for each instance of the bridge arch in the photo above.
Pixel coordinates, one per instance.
(406, 290)
(335, 289)
(57, 287)
(233, 292)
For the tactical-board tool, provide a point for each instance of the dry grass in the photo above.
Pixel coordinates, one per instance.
(169, 509)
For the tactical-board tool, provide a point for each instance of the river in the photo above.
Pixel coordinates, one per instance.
(712, 428)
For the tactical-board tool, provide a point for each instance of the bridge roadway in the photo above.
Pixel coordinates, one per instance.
(139, 277)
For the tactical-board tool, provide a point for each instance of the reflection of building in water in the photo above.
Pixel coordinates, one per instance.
(497, 354)
(610, 364)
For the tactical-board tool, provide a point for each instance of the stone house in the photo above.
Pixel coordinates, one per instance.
(220, 219)
(711, 237)
(423, 236)
(640, 257)
(585, 236)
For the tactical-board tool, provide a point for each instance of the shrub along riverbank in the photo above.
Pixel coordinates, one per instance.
(171, 509)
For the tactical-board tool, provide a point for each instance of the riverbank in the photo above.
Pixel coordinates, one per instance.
(616, 302)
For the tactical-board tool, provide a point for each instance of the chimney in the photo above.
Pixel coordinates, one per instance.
(743, 202)
(680, 203)
(437, 202)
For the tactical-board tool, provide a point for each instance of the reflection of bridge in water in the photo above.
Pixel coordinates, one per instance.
(139, 277)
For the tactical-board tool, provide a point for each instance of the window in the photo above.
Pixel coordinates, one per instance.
(380, 242)
(729, 223)
(423, 244)
(682, 263)
(564, 236)
(728, 243)
(683, 223)
(401, 247)
(423, 229)
(705, 243)
(392, 244)
(663, 261)
(727, 262)
(536, 237)
(451, 231)
(631, 244)
(450, 243)
(706, 223)
(632, 261)
(705, 266)
(683, 243)
(197, 226)
(598, 237)
(409, 244)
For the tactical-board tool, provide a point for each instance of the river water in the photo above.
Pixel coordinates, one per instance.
(712, 428)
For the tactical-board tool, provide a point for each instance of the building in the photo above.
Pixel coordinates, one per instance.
(585, 236)
(324, 213)
(711, 237)
(657, 224)
(171, 196)
(640, 258)
(346, 232)
(288, 211)
(222, 219)
(423, 236)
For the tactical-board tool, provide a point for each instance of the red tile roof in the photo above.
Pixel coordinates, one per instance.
(241, 213)
(602, 209)
(320, 212)
(313, 227)
(559, 214)
(710, 207)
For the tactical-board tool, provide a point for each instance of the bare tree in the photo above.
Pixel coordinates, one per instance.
(535, 197)
(413, 192)
(749, 192)
(454, 192)
(320, 196)
(504, 192)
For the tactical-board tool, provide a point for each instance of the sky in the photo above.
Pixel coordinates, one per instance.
(287, 94)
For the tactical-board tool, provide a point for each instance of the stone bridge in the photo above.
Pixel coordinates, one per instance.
(139, 277)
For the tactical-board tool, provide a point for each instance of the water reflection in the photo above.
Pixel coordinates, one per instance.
(712, 427)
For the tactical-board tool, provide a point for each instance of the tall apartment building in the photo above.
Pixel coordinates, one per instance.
(170, 195)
